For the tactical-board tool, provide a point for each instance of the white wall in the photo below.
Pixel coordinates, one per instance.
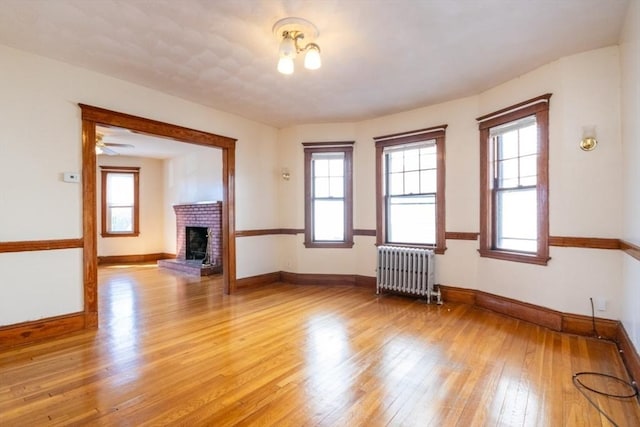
(294, 257)
(630, 67)
(39, 140)
(585, 188)
(40, 284)
(151, 194)
(193, 177)
(40, 137)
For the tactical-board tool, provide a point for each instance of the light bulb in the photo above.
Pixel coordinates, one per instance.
(312, 59)
(285, 65)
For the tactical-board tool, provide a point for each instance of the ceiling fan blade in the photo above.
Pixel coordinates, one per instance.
(108, 151)
(115, 144)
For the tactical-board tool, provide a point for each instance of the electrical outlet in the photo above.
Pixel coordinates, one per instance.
(601, 304)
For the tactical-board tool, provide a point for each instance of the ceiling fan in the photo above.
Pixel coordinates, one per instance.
(103, 147)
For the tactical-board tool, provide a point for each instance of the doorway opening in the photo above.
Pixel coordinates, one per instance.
(94, 116)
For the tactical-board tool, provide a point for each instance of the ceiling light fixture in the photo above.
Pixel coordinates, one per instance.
(291, 32)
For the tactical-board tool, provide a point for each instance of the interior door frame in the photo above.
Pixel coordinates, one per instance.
(92, 116)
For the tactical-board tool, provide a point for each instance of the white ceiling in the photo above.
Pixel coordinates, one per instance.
(146, 145)
(379, 56)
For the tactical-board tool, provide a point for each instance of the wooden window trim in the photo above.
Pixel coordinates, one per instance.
(105, 170)
(436, 133)
(345, 147)
(539, 107)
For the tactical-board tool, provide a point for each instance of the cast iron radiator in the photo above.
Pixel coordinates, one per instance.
(408, 271)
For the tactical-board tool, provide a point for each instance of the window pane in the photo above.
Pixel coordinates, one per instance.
(412, 159)
(528, 166)
(428, 181)
(428, 159)
(120, 189)
(120, 219)
(328, 218)
(507, 170)
(508, 145)
(321, 167)
(336, 167)
(529, 140)
(517, 220)
(410, 199)
(396, 183)
(336, 187)
(396, 161)
(412, 182)
(412, 220)
(321, 187)
(509, 183)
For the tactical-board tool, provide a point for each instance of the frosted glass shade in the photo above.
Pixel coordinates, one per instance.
(285, 65)
(312, 59)
(287, 48)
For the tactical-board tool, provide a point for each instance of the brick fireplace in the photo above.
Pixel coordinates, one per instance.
(195, 222)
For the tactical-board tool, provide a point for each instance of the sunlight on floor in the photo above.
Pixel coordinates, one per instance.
(125, 266)
(329, 362)
(124, 330)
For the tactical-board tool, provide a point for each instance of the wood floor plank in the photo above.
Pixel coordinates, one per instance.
(174, 350)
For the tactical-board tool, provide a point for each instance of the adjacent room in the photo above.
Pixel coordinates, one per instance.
(333, 213)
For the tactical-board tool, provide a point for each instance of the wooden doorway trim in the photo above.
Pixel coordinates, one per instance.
(91, 116)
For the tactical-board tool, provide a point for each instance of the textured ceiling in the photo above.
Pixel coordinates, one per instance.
(379, 56)
(142, 145)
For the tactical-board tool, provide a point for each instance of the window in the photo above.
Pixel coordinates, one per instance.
(120, 208)
(328, 195)
(514, 153)
(410, 188)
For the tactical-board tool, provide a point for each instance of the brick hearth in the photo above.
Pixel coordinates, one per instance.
(197, 215)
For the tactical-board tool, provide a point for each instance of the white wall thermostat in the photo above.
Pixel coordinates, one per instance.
(71, 177)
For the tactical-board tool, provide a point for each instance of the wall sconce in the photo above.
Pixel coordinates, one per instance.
(589, 141)
(290, 31)
(285, 174)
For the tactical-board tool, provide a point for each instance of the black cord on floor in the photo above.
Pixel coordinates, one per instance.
(593, 319)
(581, 388)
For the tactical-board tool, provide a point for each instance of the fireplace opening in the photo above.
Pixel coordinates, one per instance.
(198, 239)
(196, 243)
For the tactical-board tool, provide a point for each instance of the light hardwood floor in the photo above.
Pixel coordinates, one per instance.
(173, 350)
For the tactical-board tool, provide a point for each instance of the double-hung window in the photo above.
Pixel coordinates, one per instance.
(120, 201)
(328, 194)
(410, 188)
(514, 178)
